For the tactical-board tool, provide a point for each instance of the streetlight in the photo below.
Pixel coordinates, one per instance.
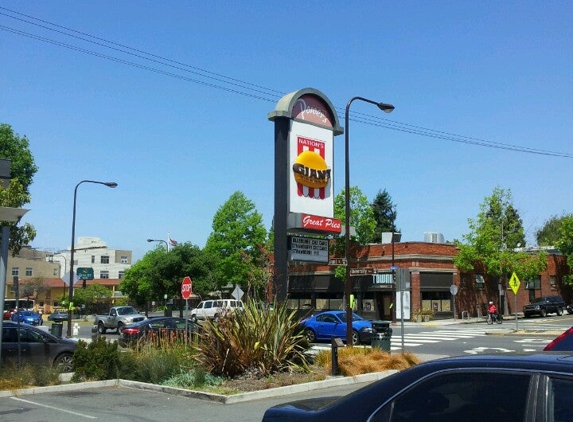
(386, 108)
(71, 286)
(159, 240)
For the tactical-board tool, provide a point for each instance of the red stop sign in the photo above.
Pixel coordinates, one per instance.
(186, 288)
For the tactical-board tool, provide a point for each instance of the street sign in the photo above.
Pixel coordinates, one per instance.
(362, 271)
(85, 273)
(337, 261)
(514, 283)
(186, 288)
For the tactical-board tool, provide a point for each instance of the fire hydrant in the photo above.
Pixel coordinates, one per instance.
(76, 330)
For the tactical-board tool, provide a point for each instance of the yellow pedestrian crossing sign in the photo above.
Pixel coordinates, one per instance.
(514, 283)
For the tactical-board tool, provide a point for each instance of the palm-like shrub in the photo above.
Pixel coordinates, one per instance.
(254, 340)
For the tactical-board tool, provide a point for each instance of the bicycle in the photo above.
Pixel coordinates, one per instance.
(491, 318)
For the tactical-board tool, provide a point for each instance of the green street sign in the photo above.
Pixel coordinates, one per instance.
(85, 273)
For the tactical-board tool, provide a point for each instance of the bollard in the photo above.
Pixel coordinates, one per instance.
(335, 344)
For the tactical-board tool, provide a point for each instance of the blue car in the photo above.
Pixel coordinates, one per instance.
(28, 317)
(329, 324)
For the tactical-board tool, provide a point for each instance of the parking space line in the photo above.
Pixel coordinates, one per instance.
(54, 408)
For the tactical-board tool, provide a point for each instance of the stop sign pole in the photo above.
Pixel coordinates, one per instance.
(186, 292)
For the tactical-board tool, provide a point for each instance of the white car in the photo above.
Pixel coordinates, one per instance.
(215, 309)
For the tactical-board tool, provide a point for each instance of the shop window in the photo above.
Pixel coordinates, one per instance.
(480, 282)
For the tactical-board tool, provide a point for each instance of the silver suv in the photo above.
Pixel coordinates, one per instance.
(215, 309)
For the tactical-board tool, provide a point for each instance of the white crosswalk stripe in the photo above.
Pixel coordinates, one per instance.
(418, 339)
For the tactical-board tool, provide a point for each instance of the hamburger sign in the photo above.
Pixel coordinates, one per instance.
(310, 156)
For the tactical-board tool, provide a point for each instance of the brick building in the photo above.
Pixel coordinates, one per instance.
(428, 273)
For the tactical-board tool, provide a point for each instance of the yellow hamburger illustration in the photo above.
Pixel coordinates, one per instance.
(311, 170)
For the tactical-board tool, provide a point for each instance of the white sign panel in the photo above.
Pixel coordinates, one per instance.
(406, 300)
(308, 249)
(310, 187)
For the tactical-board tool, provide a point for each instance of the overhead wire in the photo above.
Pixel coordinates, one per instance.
(237, 86)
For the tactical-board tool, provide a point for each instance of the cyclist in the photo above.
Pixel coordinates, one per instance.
(492, 311)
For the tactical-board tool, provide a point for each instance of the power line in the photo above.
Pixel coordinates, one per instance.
(237, 86)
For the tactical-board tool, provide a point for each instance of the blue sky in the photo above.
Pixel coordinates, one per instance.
(180, 137)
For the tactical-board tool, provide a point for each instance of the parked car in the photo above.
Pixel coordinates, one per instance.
(508, 387)
(28, 317)
(215, 309)
(329, 324)
(160, 327)
(118, 317)
(36, 346)
(563, 342)
(58, 316)
(544, 305)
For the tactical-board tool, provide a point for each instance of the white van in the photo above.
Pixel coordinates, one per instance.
(215, 309)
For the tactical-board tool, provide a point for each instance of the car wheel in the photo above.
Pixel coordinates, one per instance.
(569, 311)
(310, 336)
(65, 362)
(355, 338)
(101, 328)
(559, 311)
(526, 315)
(193, 318)
(543, 313)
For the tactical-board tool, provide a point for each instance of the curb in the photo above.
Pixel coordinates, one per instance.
(219, 398)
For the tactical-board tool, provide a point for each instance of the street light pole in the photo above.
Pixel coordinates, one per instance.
(160, 240)
(71, 286)
(387, 108)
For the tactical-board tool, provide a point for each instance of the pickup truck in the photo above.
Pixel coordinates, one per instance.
(117, 318)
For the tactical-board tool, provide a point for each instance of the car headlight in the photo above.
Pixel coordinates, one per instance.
(366, 330)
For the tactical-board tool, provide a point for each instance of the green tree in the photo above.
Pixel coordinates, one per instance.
(549, 234)
(384, 214)
(91, 296)
(160, 273)
(492, 240)
(238, 231)
(565, 243)
(33, 287)
(361, 214)
(17, 193)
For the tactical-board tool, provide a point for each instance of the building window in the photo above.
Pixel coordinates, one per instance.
(28, 271)
(15, 271)
(480, 282)
(553, 282)
(534, 284)
(121, 275)
(56, 272)
(93, 259)
(124, 260)
(104, 274)
(104, 259)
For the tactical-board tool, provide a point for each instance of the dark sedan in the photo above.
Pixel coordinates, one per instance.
(329, 324)
(36, 346)
(157, 328)
(508, 387)
(58, 316)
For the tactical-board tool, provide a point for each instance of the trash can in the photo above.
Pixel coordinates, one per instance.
(57, 329)
(381, 335)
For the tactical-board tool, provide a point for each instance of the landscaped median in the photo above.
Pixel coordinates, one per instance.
(219, 398)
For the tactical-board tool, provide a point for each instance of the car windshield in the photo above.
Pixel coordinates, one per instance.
(342, 316)
(537, 300)
(126, 310)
